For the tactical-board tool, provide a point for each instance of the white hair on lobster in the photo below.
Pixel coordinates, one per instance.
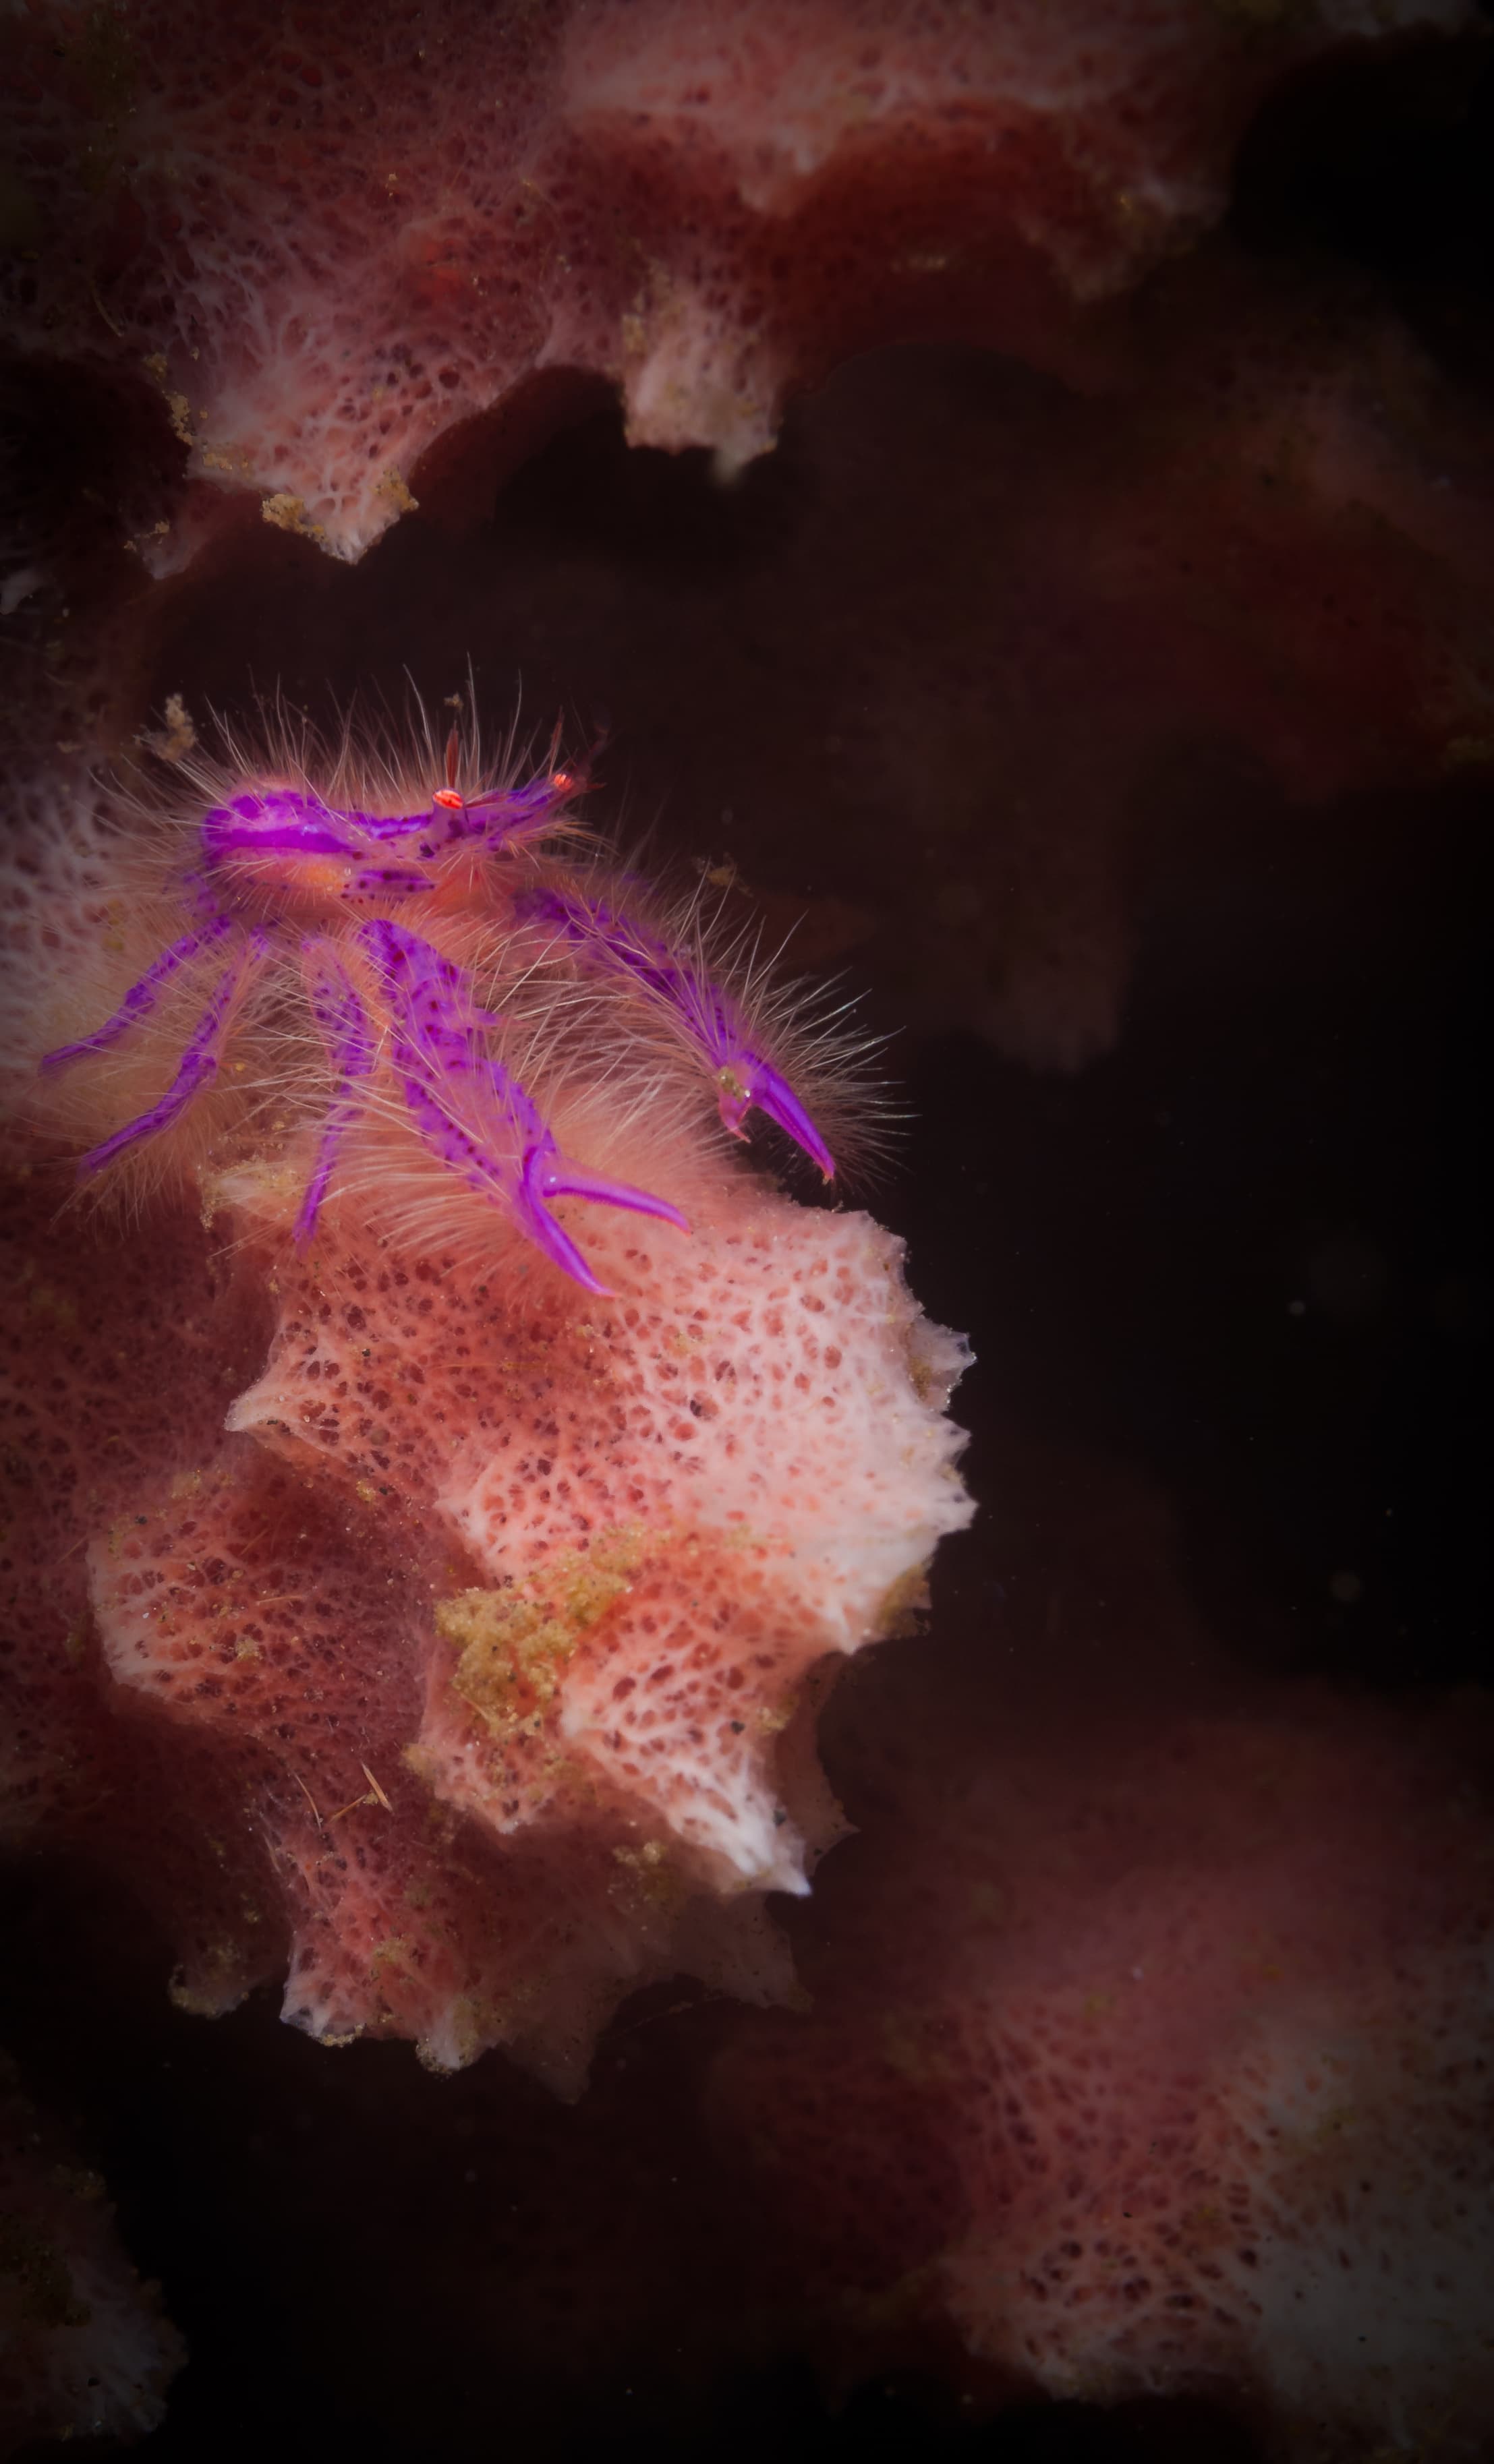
(397, 971)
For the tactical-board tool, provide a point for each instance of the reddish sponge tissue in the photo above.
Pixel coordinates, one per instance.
(476, 1657)
(686, 1498)
(329, 237)
(1151, 2054)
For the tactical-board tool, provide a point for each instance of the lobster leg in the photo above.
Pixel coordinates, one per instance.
(198, 1066)
(744, 1080)
(347, 1032)
(142, 997)
(472, 1112)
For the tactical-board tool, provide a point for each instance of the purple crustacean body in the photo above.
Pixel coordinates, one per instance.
(352, 899)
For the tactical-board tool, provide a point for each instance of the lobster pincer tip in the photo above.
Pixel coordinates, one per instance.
(549, 1174)
(746, 1085)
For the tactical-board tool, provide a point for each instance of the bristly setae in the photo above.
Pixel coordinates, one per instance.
(396, 902)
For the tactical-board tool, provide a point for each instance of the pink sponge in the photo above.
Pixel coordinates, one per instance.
(478, 1657)
(327, 240)
(1150, 2052)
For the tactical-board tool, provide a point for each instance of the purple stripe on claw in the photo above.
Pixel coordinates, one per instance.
(472, 1112)
(199, 1064)
(347, 1032)
(744, 1081)
(141, 998)
(548, 1173)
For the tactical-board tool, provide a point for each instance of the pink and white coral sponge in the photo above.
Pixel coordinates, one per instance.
(1151, 2053)
(403, 1599)
(329, 240)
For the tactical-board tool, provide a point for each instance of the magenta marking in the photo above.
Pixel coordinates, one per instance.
(744, 1080)
(521, 814)
(277, 820)
(142, 997)
(198, 1064)
(283, 820)
(472, 1112)
(346, 1030)
(387, 881)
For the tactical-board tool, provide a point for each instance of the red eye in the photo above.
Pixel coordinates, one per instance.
(561, 780)
(450, 798)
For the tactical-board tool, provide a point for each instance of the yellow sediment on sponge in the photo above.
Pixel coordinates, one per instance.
(515, 1639)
